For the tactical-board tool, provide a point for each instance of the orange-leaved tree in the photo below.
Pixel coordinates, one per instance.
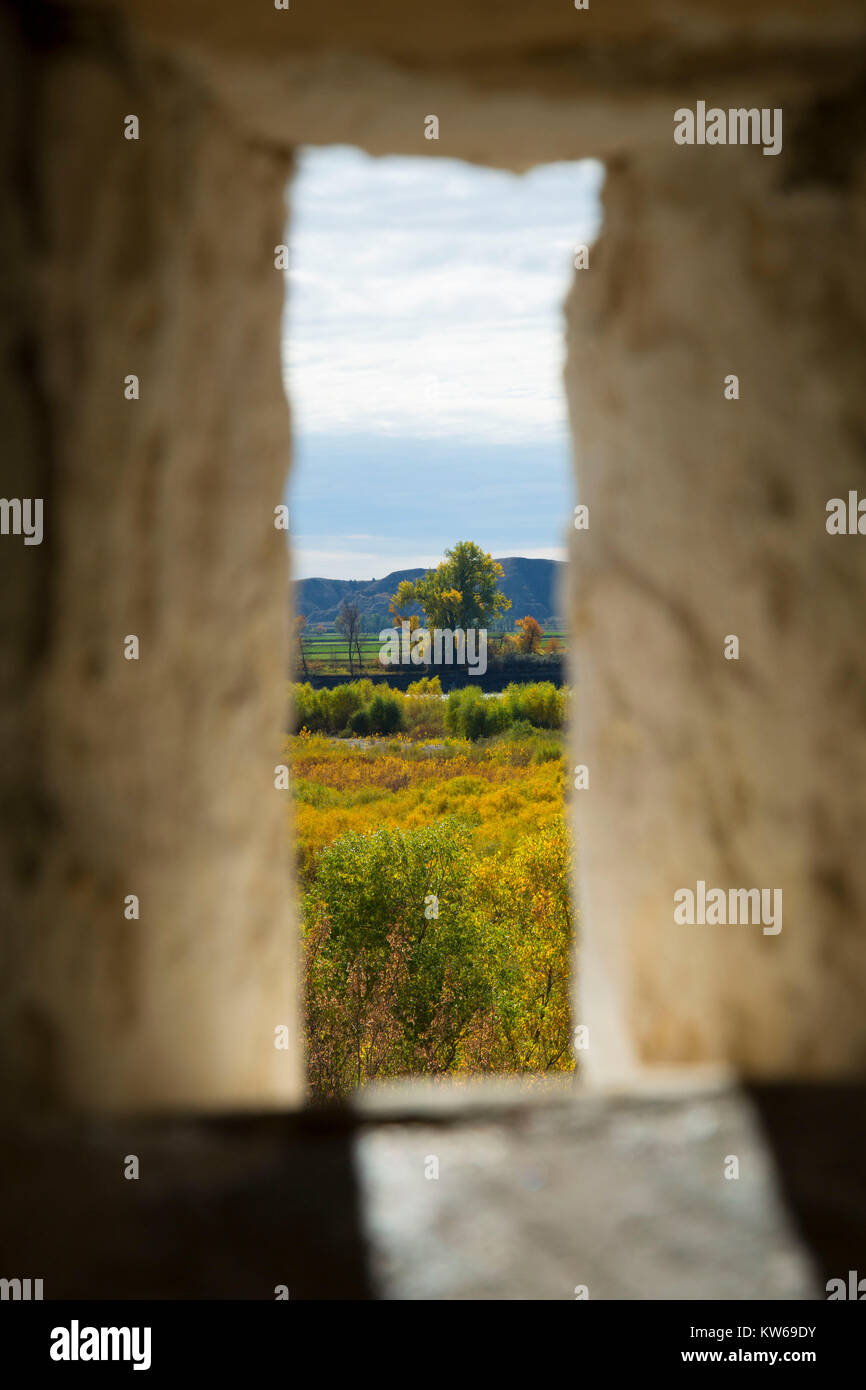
(530, 634)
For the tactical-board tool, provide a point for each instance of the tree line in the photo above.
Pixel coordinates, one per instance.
(462, 592)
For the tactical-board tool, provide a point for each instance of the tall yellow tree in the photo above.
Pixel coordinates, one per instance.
(462, 591)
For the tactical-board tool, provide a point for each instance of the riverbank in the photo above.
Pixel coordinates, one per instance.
(495, 678)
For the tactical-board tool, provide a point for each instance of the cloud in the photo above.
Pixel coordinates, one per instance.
(425, 295)
(311, 561)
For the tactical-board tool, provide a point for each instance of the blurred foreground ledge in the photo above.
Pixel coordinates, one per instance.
(540, 1190)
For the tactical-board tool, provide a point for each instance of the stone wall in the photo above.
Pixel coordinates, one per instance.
(151, 777)
(708, 519)
(155, 777)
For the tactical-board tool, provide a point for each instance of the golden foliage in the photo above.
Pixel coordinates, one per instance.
(340, 788)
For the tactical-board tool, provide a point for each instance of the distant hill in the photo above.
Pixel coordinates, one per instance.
(530, 584)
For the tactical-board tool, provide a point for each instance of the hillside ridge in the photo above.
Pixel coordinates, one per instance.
(531, 584)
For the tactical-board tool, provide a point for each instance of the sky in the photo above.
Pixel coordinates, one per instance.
(422, 356)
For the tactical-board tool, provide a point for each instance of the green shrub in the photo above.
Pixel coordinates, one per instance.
(391, 984)
(423, 957)
(360, 723)
(385, 713)
(329, 711)
(541, 703)
(427, 685)
(424, 714)
(547, 750)
(308, 711)
(469, 714)
(520, 729)
(367, 708)
(342, 703)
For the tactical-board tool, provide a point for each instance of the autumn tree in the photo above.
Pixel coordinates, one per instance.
(392, 987)
(423, 957)
(462, 592)
(298, 626)
(349, 623)
(530, 634)
(401, 602)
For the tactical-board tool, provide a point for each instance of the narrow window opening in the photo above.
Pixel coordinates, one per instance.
(430, 502)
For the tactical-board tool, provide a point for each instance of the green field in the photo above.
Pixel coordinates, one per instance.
(326, 652)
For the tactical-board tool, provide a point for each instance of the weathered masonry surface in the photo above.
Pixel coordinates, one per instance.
(622, 1194)
(154, 777)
